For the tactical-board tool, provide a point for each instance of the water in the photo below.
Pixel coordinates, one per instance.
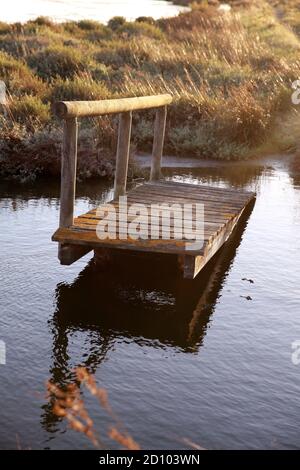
(181, 361)
(100, 10)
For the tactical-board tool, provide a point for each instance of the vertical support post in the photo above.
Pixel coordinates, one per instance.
(158, 144)
(122, 157)
(68, 173)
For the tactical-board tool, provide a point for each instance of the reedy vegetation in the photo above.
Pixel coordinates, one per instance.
(230, 75)
(68, 403)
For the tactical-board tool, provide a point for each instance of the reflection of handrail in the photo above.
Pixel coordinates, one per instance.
(71, 110)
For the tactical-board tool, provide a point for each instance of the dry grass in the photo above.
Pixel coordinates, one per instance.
(68, 404)
(230, 75)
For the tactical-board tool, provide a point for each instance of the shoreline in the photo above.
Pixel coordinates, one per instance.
(140, 165)
(229, 103)
(143, 160)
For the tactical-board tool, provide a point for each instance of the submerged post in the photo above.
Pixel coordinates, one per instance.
(68, 173)
(123, 153)
(158, 144)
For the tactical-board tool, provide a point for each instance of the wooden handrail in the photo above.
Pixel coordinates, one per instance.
(69, 111)
(72, 109)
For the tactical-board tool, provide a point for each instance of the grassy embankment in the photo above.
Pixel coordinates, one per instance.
(230, 76)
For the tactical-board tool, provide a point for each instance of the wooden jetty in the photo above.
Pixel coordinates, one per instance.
(78, 236)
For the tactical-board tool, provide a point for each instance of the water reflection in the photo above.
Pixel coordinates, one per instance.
(239, 175)
(18, 197)
(127, 301)
(100, 10)
(294, 170)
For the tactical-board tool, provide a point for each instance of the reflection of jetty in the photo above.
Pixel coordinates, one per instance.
(76, 237)
(135, 304)
(127, 302)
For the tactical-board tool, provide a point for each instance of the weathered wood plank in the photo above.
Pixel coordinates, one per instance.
(210, 217)
(122, 158)
(211, 214)
(194, 264)
(122, 232)
(147, 225)
(176, 198)
(90, 239)
(69, 254)
(150, 196)
(201, 187)
(218, 206)
(160, 189)
(146, 221)
(158, 144)
(68, 173)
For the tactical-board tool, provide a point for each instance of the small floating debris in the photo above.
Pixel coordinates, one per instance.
(248, 280)
(246, 297)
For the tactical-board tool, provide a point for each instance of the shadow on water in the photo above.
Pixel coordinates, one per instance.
(138, 299)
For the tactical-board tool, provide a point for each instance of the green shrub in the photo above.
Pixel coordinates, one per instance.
(145, 19)
(94, 31)
(81, 87)
(116, 55)
(89, 25)
(18, 78)
(4, 28)
(21, 46)
(99, 35)
(43, 21)
(63, 61)
(141, 29)
(116, 22)
(142, 133)
(41, 25)
(30, 110)
(9, 64)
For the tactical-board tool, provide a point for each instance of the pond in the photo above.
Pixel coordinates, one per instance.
(207, 361)
(100, 10)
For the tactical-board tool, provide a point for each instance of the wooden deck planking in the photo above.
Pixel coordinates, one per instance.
(222, 210)
(76, 237)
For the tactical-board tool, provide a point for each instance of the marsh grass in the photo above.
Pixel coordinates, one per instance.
(230, 76)
(70, 405)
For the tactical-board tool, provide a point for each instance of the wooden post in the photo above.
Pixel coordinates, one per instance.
(68, 173)
(123, 153)
(158, 144)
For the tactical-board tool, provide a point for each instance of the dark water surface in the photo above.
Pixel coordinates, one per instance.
(182, 361)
